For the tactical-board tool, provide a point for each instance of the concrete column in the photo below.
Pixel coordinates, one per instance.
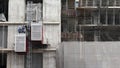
(15, 61)
(51, 11)
(49, 60)
(16, 14)
(52, 34)
(52, 22)
(16, 10)
(52, 30)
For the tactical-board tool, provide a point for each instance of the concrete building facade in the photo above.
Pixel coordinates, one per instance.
(85, 34)
(51, 19)
(90, 34)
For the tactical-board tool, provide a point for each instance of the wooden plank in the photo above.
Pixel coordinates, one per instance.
(12, 23)
(51, 23)
(44, 50)
(5, 50)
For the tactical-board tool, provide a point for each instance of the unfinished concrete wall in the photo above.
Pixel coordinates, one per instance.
(15, 61)
(16, 14)
(16, 11)
(51, 11)
(51, 16)
(52, 30)
(49, 60)
(52, 22)
(52, 34)
(90, 55)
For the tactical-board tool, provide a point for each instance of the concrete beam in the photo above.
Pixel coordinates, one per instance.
(12, 23)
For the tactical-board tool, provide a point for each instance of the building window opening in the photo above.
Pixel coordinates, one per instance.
(3, 10)
(3, 60)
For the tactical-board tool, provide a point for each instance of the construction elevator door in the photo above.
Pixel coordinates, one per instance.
(37, 60)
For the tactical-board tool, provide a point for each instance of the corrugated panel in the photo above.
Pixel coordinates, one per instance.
(20, 43)
(90, 55)
(36, 31)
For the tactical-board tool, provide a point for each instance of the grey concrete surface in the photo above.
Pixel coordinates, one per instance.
(89, 55)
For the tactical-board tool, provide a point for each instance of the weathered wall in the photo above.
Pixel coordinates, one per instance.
(16, 11)
(16, 14)
(51, 11)
(52, 34)
(15, 61)
(52, 30)
(49, 60)
(89, 55)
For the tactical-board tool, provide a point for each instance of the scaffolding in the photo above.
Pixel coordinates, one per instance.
(94, 20)
(86, 3)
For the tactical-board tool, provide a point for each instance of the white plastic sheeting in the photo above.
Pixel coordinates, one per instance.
(2, 17)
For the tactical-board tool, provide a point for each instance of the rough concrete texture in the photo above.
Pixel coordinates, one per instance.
(89, 55)
(16, 10)
(52, 35)
(49, 60)
(51, 11)
(16, 14)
